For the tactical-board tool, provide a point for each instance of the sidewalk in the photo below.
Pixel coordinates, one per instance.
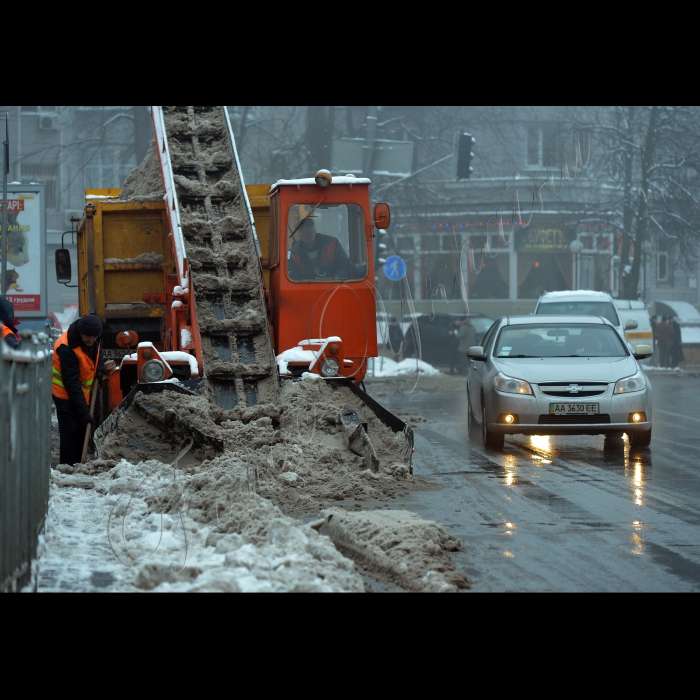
(681, 369)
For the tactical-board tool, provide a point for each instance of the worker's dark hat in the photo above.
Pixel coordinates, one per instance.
(90, 325)
(7, 312)
(308, 221)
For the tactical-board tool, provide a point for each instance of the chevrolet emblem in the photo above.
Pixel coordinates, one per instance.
(574, 388)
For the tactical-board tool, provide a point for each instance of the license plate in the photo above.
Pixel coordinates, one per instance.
(567, 409)
(113, 354)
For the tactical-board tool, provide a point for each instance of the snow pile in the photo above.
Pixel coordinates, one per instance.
(222, 521)
(386, 367)
(398, 545)
(152, 527)
(295, 354)
(303, 435)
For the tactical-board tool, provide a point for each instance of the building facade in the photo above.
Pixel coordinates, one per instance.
(69, 149)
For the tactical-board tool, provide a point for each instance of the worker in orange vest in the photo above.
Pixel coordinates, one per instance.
(8, 324)
(77, 366)
(317, 255)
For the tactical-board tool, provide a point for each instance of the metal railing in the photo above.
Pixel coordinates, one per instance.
(25, 454)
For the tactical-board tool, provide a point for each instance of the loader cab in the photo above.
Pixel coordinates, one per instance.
(321, 269)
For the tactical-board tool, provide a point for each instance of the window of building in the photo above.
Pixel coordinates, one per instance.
(452, 242)
(48, 174)
(544, 144)
(404, 243)
(107, 166)
(662, 267)
(430, 243)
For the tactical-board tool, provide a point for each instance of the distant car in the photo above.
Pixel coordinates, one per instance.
(389, 333)
(434, 334)
(48, 325)
(584, 302)
(637, 310)
(557, 375)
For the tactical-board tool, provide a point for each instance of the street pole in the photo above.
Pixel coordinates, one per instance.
(5, 170)
(576, 247)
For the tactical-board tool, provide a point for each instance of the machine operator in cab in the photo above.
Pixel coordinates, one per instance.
(316, 256)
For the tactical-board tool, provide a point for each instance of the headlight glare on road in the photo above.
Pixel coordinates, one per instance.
(509, 385)
(634, 383)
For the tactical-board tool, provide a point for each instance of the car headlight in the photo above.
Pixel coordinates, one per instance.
(634, 383)
(510, 385)
(330, 367)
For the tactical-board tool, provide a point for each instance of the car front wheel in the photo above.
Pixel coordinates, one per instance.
(490, 438)
(640, 438)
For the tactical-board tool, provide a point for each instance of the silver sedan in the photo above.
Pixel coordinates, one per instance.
(558, 375)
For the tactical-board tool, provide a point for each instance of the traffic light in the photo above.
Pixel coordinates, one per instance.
(464, 156)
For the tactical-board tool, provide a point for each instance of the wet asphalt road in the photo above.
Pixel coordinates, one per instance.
(561, 513)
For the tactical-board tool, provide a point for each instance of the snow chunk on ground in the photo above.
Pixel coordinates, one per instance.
(398, 545)
(150, 527)
(386, 367)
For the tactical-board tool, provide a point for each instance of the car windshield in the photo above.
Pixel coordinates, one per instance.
(580, 308)
(566, 340)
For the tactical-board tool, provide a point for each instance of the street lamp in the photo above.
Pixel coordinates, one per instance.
(576, 247)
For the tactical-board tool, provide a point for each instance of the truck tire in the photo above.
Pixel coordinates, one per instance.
(490, 439)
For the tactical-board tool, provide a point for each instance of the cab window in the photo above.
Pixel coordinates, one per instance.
(326, 242)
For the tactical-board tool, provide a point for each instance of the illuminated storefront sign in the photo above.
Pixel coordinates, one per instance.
(541, 240)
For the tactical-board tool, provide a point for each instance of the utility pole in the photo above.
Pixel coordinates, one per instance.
(367, 161)
(5, 170)
(370, 138)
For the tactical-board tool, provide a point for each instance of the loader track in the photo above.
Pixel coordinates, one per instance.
(239, 363)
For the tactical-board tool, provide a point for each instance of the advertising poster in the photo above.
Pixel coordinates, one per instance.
(26, 257)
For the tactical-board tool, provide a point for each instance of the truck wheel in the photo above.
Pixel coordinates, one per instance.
(494, 440)
(640, 438)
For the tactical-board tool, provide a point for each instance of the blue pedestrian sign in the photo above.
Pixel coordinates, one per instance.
(395, 268)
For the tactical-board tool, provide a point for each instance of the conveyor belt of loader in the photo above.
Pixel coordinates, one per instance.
(217, 231)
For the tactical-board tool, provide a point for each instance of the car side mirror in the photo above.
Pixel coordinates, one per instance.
(63, 266)
(641, 352)
(476, 352)
(631, 324)
(381, 215)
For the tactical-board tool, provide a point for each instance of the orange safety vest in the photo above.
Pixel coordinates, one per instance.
(327, 255)
(6, 331)
(87, 369)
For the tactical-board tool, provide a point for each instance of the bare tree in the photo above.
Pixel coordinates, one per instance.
(651, 156)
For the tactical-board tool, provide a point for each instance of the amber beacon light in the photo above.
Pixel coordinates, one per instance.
(323, 178)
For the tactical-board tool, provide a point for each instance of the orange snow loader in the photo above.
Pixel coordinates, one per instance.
(207, 286)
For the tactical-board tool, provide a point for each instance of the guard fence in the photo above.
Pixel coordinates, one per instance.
(25, 454)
